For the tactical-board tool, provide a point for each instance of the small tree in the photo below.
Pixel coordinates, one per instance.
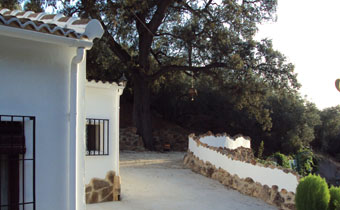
(312, 193)
(260, 150)
(305, 163)
(334, 203)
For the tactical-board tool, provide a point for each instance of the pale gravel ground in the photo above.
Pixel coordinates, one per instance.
(158, 181)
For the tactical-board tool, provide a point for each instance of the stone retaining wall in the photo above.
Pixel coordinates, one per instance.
(129, 140)
(102, 190)
(271, 195)
(176, 138)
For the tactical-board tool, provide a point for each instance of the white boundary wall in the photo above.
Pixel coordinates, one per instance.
(243, 170)
(226, 141)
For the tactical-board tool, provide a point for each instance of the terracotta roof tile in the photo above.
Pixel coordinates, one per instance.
(32, 15)
(64, 19)
(81, 22)
(55, 24)
(20, 13)
(48, 17)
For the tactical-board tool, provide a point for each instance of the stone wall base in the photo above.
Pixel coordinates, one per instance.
(102, 190)
(282, 199)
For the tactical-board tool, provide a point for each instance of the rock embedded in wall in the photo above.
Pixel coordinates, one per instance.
(102, 190)
(271, 195)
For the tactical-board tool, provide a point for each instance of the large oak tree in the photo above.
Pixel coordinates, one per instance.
(154, 38)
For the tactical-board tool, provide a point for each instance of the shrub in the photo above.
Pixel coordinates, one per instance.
(312, 193)
(334, 203)
(304, 162)
(260, 150)
(281, 159)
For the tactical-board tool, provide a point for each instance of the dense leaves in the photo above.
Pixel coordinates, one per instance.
(312, 194)
(328, 133)
(9, 4)
(166, 47)
(334, 203)
(155, 41)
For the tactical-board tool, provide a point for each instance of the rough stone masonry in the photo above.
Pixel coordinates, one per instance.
(102, 190)
(282, 199)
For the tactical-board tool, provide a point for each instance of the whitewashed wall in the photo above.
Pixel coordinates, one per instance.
(35, 81)
(259, 174)
(226, 141)
(102, 102)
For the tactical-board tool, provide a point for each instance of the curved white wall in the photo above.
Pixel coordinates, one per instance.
(226, 141)
(237, 142)
(214, 141)
(259, 174)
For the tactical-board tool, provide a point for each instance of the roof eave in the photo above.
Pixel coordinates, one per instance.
(44, 37)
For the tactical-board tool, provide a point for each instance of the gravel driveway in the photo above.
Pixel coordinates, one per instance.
(158, 181)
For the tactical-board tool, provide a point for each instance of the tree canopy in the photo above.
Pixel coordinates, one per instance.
(153, 40)
(244, 85)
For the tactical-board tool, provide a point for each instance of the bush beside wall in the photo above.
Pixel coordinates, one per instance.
(312, 193)
(334, 203)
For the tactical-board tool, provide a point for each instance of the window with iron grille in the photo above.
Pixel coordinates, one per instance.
(17, 162)
(97, 136)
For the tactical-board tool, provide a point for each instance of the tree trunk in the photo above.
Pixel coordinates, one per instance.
(142, 111)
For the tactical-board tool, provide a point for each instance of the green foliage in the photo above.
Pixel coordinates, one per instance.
(102, 64)
(260, 150)
(328, 133)
(281, 159)
(10, 4)
(155, 40)
(312, 193)
(334, 203)
(294, 120)
(28, 5)
(34, 5)
(304, 162)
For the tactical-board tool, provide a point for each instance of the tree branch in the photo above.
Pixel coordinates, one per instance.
(168, 34)
(145, 37)
(173, 68)
(159, 15)
(155, 56)
(122, 54)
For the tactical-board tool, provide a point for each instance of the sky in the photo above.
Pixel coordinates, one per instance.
(307, 32)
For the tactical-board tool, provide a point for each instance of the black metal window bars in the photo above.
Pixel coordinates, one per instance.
(97, 137)
(17, 162)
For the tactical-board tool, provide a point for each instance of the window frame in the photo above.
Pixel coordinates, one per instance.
(17, 159)
(97, 137)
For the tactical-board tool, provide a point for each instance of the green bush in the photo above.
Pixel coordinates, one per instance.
(304, 162)
(334, 203)
(312, 193)
(281, 159)
(260, 150)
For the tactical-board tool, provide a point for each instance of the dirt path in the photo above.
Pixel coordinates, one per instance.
(158, 181)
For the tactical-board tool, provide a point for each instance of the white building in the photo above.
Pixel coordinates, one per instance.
(102, 142)
(42, 110)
